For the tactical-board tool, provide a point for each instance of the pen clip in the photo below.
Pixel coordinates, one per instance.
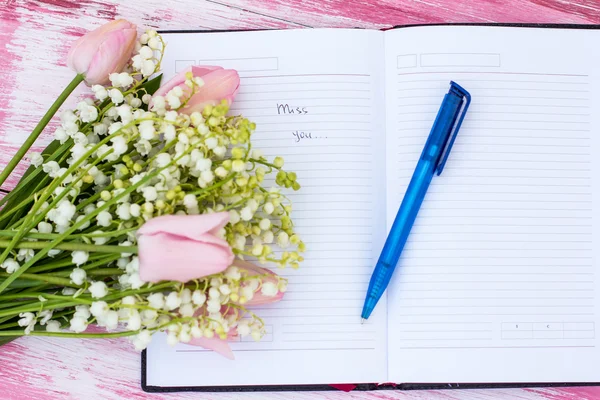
(455, 90)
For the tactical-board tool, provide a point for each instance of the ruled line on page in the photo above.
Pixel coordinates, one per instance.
(302, 75)
(503, 162)
(504, 120)
(433, 113)
(417, 104)
(283, 349)
(306, 83)
(498, 314)
(241, 101)
(501, 97)
(302, 90)
(498, 128)
(508, 88)
(445, 81)
(494, 347)
(490, 73)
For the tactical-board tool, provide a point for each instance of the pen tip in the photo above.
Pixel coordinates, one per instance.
(362, 321)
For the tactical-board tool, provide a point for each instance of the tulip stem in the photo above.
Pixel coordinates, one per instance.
(70, 334)
(40, 127)
(70, 246)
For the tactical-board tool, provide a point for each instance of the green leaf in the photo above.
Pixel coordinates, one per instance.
(7, 339)
(152, 85)
(50, 149)
(34, 179)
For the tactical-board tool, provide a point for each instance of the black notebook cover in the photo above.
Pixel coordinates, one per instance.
(367, 386)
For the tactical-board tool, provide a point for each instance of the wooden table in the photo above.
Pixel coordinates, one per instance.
(34, 39)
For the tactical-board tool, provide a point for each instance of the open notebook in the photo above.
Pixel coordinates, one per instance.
(499, 279)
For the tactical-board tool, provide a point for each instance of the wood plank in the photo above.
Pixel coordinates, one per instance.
(387, 13)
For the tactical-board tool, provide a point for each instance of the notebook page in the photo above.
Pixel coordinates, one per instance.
(498, 281)
(314, 97)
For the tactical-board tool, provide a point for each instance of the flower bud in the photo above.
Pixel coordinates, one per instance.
(103, 51)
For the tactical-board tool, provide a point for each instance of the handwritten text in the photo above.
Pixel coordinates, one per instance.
(300, 135)
(287, 109)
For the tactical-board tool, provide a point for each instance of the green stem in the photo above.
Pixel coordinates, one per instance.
(71, 246)
(30, 295)
(55, 280)
(71, 335)
(101, 262)
(40, 127)
(11, 304)
(50, 236)
(67, 261)
(94, 272)
(267, 164)
(68, 301)
(105, 272)
(36, 306)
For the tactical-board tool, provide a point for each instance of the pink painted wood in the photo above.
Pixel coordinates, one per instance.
(34, 38)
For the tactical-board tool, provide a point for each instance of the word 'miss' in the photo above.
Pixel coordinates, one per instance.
(285, 109)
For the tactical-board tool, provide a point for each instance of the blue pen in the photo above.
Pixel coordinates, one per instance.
(432, 160)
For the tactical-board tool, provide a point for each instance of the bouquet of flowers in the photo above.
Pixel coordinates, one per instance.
(142, 214)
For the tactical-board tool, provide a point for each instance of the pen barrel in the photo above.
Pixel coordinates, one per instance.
(407, 214)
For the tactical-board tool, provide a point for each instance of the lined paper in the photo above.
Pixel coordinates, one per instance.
(498, 274)
(321, 109)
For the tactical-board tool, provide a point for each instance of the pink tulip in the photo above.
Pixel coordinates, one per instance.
(183, 247)
(103, 51)
(266, 276)
(219, 84)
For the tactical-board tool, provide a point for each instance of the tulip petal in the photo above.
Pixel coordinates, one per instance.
(220, 84)
(179, 79)
(187, 226)
(84, 49)
(183, 247)
(201, 70)
(259, 298)
(111, 56)
(80, 55)
(163, 256)
(218, 345)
